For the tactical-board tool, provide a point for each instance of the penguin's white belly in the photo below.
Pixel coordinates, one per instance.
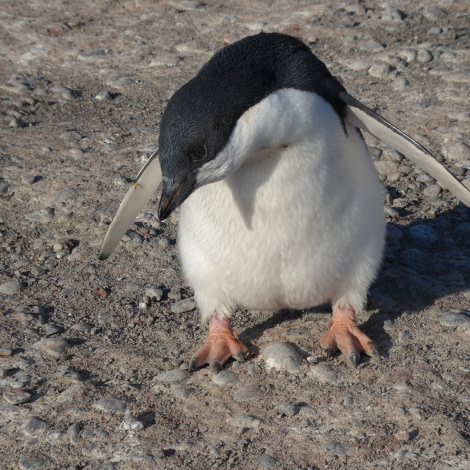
(294, 227)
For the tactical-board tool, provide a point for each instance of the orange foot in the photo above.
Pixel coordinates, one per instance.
(346, 336)
(219, 347)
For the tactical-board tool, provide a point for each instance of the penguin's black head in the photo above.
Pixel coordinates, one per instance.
(192, 132)
(200, 117)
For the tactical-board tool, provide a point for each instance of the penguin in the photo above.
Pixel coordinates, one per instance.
(280, 203)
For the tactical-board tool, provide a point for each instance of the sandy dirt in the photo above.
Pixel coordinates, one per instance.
(83, 85)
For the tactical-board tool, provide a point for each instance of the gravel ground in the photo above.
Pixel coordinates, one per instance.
(93, 355)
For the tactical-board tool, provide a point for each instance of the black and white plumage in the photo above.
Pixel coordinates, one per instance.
(281, 206)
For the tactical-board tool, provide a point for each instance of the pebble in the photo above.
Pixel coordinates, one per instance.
(410, 55)
(16, 397)
(372, 46)
(71, 376)
(336, 448)
(298, 333)
(55, 437)
(184, 305)
(174, 375)
(432, 191)
(106, 319)
(6, 352)
(10, 288)
(22, 380)
(174, 293)
(65, 93)
(34, 425)
(119, 80)
(106, 466)
(379, 70)
(454, 76)
(72, 136)
(287, 409)
(402, 387)
(129, 423)
(385, 167)
(111, 405)
(225, 377)
(92, 53)
(190, 4)
(424, 56)
(393, 14)
(348, 401)
(167, 60)
(17, 123)
(30, 179)
(76, 153)
(189, 47)
(104, 95)
(50, 329)
(182, 393)
(246, 421)
(42, 216)
(432, 13)
(73, 432)
(325, 373)
(400, 84)
(456, 151)
(83, 327)
(403, 436)
(53, 346)
(404, 336)
(267, 461)
(246, 393)
(358, 64)
(63, 195)
(27, 463)
(282, 356)
(455, 320)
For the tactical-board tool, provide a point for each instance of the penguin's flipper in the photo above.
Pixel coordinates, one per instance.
(364, 118)
(140, 192)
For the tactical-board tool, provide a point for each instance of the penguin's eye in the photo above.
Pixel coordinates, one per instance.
(198, 154)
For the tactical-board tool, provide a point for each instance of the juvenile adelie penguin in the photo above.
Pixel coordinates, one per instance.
(281, 206)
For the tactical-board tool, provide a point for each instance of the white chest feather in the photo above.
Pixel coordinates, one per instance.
(299, 219)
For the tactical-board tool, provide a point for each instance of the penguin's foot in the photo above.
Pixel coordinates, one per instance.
(219, 347)
(344, 335)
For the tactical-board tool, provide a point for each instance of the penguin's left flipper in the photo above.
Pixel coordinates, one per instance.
(364, 118)
(140, 192)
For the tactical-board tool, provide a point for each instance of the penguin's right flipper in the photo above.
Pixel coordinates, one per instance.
(362, 117)
(140, 192)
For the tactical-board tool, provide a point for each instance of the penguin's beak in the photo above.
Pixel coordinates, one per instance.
(173, 195)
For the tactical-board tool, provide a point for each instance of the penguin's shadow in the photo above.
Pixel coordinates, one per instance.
(424, 261)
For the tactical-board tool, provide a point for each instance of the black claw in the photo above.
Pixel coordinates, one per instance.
(330, 352)
(216, 366)
(240, 356)
(355, 359)
(192, 365)
(374, 352)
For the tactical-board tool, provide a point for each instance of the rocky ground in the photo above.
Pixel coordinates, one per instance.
(93, 355)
